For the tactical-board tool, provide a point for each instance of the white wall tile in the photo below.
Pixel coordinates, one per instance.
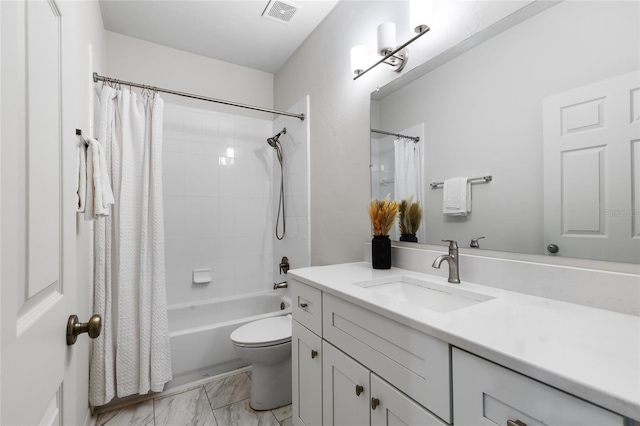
(210, 145)
(209, 123)
(173, 208)
(217, 185)
(171, 144)
(193, 121)
(173, 163)
(192, 217)
(173, 118)
(173, 184)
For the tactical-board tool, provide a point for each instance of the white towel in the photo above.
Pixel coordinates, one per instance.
(89, 213)
(81, 178)
(99, 194)
(456, 197)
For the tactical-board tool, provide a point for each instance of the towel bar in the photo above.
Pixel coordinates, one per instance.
(486, 179)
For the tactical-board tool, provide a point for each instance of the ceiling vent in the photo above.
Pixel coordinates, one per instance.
(280, 11)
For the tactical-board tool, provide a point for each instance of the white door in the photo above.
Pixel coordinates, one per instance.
(592, 170)
(36, 300)
(345, 389)
(393, 408)
(306, 359)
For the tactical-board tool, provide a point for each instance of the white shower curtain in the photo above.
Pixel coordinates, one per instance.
(408, 179)
(132, 354)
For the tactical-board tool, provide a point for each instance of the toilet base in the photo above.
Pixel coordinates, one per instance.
(271, 385)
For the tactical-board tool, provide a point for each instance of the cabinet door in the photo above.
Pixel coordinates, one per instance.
(307, 376)
(345, 389)
(395, 408)
(486, 394)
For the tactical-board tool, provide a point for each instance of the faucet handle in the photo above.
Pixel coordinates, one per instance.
(452, 244)
(475, 243)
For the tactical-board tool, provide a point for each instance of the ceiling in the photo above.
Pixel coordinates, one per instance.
(228, 30)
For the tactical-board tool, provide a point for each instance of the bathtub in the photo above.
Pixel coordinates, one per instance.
(199, 333)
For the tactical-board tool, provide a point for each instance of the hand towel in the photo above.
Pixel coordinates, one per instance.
(81, 178)
(456, 197)
(102, 193)
(89, 197)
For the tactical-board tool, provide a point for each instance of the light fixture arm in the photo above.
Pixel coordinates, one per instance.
(402, 55)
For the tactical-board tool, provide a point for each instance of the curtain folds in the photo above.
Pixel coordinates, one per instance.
(408, 179)
(132, 355)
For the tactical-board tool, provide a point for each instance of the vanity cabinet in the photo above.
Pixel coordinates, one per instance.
(353, 366)
(485, 393)
(400, 363)
(353, 395)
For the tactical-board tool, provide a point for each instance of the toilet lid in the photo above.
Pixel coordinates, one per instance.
(265, 332)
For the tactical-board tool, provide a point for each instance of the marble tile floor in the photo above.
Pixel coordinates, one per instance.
(219, 402)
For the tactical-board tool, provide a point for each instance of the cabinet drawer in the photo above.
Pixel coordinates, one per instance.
(488, 394)
(306, 304)
(413, 362)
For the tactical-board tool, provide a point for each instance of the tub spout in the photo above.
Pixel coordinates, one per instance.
(283, 284)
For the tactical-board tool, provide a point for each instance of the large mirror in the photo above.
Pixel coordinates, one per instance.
(550, 109)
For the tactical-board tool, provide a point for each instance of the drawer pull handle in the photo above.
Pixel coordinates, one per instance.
(515, 423)
(315, 354)
(303, 305)
(375, 402)
(359, 389)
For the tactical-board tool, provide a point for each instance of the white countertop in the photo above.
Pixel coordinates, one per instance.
(590, 353)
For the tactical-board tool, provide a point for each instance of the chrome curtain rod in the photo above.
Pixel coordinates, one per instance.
(382, 132)
(97, 78)
(486, 179)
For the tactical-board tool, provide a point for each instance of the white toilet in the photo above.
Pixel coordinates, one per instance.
(267, 345)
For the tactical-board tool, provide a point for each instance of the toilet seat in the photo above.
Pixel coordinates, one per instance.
(265, 332)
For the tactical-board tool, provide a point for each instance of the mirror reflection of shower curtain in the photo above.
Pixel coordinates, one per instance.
(408, 179)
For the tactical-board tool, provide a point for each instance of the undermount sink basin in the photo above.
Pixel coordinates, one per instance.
(426, 294)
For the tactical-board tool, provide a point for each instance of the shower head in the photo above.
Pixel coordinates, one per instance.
(272, 141)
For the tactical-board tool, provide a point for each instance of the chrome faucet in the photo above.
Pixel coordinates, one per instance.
(452, 258)
(283, 284)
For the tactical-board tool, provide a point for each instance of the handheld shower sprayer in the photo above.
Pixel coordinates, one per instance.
(275, 143)
(274, 140)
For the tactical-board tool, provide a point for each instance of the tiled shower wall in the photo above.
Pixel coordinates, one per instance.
(217, 174)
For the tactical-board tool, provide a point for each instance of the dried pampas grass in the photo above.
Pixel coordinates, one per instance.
(383, 214)
(410, 216)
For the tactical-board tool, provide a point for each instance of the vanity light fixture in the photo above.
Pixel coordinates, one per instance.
(394, 56)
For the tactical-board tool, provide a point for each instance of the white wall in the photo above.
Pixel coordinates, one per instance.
(81, 26)
(483, 115)
(217, 203)
(143, 62)
(339, 142)
(295, 152)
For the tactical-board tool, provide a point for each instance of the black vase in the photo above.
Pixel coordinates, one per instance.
(409, 237)
(381, 252)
